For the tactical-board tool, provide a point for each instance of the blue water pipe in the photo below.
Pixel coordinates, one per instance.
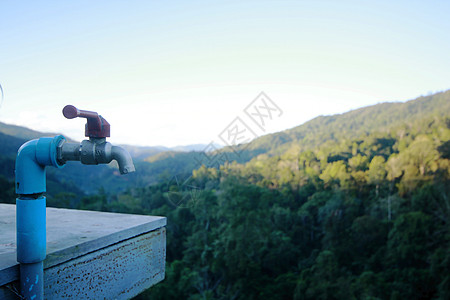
(32, 158)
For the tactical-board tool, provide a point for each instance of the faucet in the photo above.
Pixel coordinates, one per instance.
(32, 159)
(96, 150)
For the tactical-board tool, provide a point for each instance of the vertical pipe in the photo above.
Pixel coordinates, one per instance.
(32, 280)
(31, 234)
(31, 245)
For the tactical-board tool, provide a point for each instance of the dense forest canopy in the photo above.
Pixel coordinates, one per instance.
(352, 206)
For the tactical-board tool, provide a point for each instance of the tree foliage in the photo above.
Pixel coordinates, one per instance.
(349, 207)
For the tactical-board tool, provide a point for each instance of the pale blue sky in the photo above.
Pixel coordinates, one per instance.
(178, 72)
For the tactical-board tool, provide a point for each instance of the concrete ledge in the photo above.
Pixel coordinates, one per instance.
(90, 253)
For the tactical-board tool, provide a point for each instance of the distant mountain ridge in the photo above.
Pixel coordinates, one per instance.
(352, 124)
(157, 163)
(311, 133)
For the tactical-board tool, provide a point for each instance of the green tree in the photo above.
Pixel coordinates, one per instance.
(377, 172)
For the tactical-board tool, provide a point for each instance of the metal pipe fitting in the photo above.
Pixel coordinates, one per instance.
(96, 151)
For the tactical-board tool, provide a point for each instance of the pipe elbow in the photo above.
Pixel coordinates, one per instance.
(123, 159)
(32, 158)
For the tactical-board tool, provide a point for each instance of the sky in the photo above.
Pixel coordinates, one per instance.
(180, 72)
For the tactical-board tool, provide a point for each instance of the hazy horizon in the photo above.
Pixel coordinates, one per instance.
(220, 145)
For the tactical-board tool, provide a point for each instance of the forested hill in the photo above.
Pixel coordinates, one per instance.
(356, 123)
(351, 206)
(354, 206)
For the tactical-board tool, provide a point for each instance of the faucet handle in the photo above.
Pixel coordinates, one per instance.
(96, 126)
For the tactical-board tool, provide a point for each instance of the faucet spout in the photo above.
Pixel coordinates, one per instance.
(123, 159)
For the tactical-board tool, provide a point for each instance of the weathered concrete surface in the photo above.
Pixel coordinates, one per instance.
(74, 233)
(120, 271)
